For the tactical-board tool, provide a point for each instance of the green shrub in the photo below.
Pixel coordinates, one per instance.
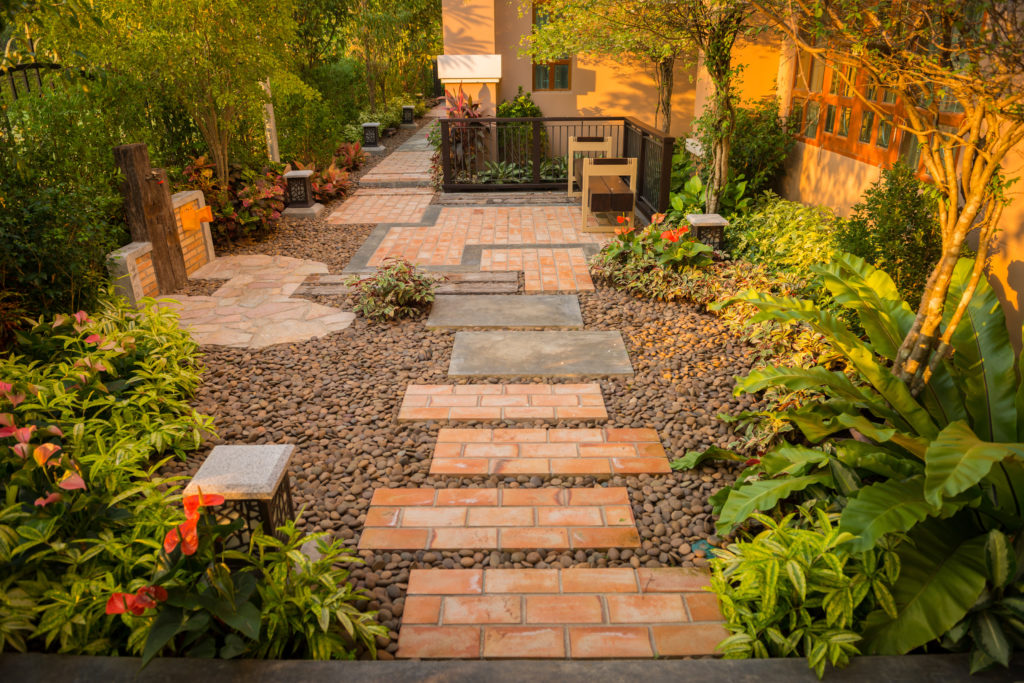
(90, 410)
(942, 472)
(783, 235)
(308, 129)
(896, 228)
(761, 141)
(515, 140)
(793, 591)
(248, 205)
(397, 290)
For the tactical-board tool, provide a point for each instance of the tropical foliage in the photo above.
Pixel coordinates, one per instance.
(397, 290)
(97, 558)
(940, 474)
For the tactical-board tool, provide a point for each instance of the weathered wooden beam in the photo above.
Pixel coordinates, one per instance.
(150, 214)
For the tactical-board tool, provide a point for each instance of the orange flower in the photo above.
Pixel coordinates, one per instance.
(620, 219)
(657, 219)
(624, 231)
(137, 602)
(193, 503)
(683, 229)
(670, 235)
(186, 534)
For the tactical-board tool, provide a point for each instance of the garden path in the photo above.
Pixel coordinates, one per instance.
(255, 308)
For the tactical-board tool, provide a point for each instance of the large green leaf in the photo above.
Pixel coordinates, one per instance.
(911, 415)
(887, 507)
(957, 460)
(942, 574)
(792, 460)
(983, 362)
(762, 495)
(857, 285)
(797, 379)
(877, 459)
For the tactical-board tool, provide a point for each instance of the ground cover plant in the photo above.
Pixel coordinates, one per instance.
(91, 407)
(398, 289)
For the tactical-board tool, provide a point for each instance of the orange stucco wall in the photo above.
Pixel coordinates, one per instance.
(758, 77)
(468, 26)
(599, 87)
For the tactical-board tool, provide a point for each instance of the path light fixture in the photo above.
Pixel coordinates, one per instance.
(408, 115)
(254, 482)
(371, 137)
(299, 188)
(708, 228)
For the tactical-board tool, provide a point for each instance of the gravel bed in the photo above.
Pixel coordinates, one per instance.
(337, 398)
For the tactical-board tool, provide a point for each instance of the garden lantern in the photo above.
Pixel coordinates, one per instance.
(371, 137)
(708, 228)
(408, 115)
(299, 192)
(255, 485)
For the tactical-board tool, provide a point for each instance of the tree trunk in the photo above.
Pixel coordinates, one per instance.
(666, 83)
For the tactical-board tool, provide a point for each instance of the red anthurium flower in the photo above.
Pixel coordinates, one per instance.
(71, 481)
(119, 603)
(658, 218)
(200, 500)
(683, 229)
(21, 450)
(52, 498)
(670, 235)
(6, 432)
(184, 533)
(620, 219)
(43, 453)
(624, 231)
(93, 339)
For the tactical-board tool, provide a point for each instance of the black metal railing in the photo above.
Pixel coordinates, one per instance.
(501, 154)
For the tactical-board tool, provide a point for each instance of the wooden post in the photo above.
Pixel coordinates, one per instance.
(147, 203)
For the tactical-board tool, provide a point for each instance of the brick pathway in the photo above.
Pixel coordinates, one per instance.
(545, 270)
(499, 519)
(508, 402)
(574, 452)
(254, 308)
(552, 613)
(375, 205)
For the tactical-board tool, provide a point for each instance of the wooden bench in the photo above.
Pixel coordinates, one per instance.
(604, 190)
(579, 145)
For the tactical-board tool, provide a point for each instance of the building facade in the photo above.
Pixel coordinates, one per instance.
(841, 147)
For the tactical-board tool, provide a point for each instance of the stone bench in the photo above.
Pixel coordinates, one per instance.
(254, 482)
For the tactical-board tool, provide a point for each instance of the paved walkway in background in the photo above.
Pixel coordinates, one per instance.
(255, 308)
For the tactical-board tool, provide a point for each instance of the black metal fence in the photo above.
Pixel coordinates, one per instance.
(502, 154)
(24, 79)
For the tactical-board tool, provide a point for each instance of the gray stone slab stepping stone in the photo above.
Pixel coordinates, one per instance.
(539, 354)
(560, 311)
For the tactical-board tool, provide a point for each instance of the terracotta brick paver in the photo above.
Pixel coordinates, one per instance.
(472, 452)
(559, 613)
(544, 270)
(552, 518)
(509, 402)
(383, 205)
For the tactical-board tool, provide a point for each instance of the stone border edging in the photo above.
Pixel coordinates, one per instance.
(909, 668)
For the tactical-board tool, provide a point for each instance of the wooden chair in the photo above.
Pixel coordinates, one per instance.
(604, 190)
(584, 144)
